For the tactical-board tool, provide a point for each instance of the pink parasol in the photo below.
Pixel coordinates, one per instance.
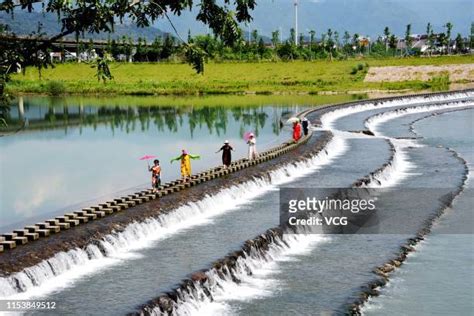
(247, 136)
(147, 157)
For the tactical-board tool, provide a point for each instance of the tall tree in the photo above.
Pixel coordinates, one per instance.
(261, 47)
(386, 33)
(336, 38)
(301, 40)
(275, 38)
(449, 27)
(460, 46)
(430, 37)
(471, 37)
(346, 38)
(408, 39)
(168, 47)
(356, 41)
(312, 34)
(392, 43)
(255, 37)
(292, 35)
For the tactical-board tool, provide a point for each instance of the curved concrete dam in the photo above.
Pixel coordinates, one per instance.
(208, 237)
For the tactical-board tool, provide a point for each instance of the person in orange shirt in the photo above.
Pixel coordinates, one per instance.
(155, 174)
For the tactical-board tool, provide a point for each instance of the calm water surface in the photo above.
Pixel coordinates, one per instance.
(77, 151)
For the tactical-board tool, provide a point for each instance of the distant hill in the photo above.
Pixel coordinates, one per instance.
(366, 17)
(25, 23)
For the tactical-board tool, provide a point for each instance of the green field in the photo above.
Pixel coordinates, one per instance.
(224, 78)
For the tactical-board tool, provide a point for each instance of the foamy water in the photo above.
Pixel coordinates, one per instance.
(64, 268)
(435, 278)
(253, 287)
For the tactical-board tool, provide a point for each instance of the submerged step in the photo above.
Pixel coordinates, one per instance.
(8, 244)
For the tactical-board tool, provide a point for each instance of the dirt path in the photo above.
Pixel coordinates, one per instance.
(424, 73)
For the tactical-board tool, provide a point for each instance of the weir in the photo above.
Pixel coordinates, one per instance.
(31, 233)
(85, 235)
(203, 285)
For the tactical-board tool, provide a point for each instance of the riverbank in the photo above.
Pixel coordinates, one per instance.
(298, 77)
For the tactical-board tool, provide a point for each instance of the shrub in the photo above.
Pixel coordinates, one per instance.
(354, 70)
(55, 87)
(360, 66)
(439, 83)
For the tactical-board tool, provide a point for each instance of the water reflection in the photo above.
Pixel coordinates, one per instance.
(29, 114)
(60, 154)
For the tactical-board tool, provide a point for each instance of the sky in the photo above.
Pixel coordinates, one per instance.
(366, 17)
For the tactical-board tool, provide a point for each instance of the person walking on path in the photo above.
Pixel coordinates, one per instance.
(155, 174)
(252, 142)
(305, 124)
(185, 158)
(296, 131)
(226, 154)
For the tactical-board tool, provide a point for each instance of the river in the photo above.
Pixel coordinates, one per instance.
(313, 274)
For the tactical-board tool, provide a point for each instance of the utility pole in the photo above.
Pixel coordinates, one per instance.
(296, 22)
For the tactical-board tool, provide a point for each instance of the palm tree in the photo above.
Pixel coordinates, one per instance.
(254, 36)
(459, 43)
(471, 37)
(292, 36)
(408, 39)
(392, 43)
(346, 39)
(355, 41)
(429, 33)
(449, 27)
(312, 34)
(275, 38)
(386, 32)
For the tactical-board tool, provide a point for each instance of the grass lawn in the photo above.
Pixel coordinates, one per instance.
(221, 78)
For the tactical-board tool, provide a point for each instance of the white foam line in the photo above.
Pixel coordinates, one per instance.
(373, 122)
(330, 118)
(260, 283)
(400, 167)
(65, 268)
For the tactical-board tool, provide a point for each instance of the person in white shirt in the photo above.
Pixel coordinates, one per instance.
(252, 142)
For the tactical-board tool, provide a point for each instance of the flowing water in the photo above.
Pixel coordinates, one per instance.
(310, 275)
(320, 276)
(86, 149)
(437, 278)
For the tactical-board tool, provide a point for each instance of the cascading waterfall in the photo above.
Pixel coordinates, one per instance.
(400, 166)
(329, 118)
(373, 122)
(253, 271)
(251, 277)
(65, 267)
(369, 304)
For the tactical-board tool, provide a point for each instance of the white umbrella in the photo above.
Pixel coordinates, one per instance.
(292, 120)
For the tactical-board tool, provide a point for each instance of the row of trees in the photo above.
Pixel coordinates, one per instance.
(330, 44)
